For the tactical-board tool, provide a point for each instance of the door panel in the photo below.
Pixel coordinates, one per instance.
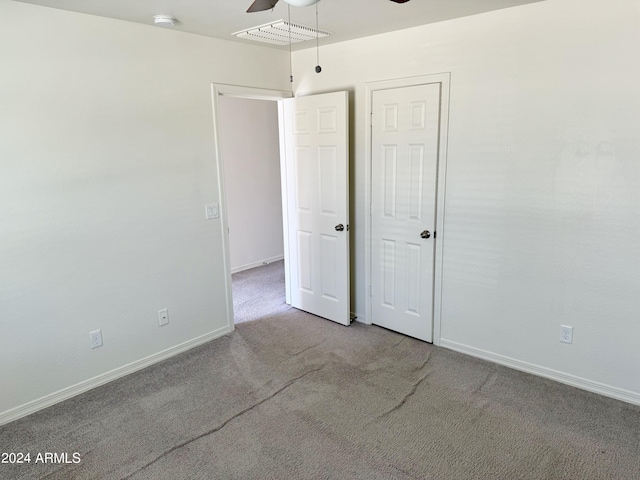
(405, 135)
(317, 166)
(302, 165)
(304, 261)
(328, 186)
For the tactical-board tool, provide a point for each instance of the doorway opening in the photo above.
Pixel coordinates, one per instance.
(247, 137)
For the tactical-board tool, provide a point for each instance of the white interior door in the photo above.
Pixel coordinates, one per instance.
(317, 197)
(405, 133)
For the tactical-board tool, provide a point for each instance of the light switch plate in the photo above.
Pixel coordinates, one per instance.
(211, 211)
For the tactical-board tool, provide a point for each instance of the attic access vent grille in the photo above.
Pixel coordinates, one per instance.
(277, 33)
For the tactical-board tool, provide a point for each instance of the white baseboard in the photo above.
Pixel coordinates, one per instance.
(77, 389)
(583, 383)
(257, 264)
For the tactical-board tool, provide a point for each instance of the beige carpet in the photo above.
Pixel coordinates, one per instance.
(298, 397)
(259, 292)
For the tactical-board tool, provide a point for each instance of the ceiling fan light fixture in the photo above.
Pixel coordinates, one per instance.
(301, 3)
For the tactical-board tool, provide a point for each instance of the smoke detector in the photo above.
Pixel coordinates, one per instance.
(165, 20)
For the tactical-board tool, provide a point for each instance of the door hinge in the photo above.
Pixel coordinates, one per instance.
(371, 119)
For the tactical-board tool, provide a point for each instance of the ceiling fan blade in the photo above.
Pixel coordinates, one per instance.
(400, 1)
(261, 5)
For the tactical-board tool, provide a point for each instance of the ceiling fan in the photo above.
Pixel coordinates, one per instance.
(261, 5)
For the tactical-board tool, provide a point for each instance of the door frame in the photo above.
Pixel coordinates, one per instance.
(242, 91)
(444, 79)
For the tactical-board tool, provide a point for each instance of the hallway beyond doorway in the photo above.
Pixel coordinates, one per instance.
(259, 292)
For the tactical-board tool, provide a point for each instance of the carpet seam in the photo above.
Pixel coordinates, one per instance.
(224, 424)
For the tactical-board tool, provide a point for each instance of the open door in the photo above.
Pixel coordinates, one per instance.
(316, 161)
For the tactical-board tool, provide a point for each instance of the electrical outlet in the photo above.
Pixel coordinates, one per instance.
(95, 338)
(566, 334)
(163, 316)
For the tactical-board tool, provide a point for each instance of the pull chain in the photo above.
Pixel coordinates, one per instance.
(318, 67)
(290, 60)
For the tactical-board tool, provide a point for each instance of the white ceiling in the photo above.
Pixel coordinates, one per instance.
(346, 19)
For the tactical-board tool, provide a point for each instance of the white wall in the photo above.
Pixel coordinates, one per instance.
(543, 180)
(106, 163)
(249, 140)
